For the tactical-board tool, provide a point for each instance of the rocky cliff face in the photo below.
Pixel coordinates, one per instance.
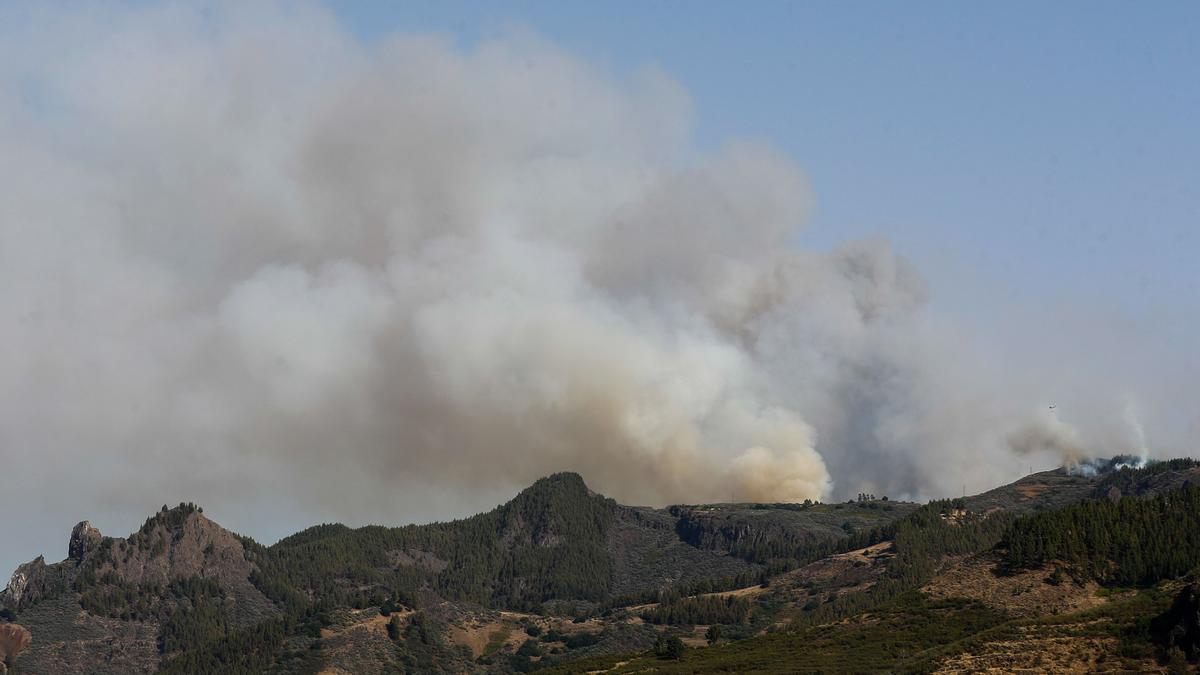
(32, 582)
(105, 602)
(85, 539)
(169, 547)
(26, 585)
(175, 544)
(36, 580)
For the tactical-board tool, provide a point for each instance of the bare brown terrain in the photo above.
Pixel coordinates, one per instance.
(359, 642)
(1035, 652)
(14, 639)
(1022, 594)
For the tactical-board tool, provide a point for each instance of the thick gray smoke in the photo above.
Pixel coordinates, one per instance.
(247, 260)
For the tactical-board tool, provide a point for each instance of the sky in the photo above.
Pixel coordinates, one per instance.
(916, 226)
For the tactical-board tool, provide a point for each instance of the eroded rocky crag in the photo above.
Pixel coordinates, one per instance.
(73, 609)
(36, 580)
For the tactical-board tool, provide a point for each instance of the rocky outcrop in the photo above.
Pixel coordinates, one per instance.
(31, 582)
(1179, 626)
(26, 581)
(177, 544)
(85, 539)
(75, 607)
(35, 580)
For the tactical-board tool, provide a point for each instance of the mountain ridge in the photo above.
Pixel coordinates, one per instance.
(182, 586)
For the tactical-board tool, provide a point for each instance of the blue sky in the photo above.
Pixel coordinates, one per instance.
(1032, 153)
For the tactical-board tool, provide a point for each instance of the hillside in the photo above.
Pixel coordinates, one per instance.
(562, 577)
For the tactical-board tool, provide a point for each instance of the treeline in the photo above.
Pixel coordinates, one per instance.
(709, 585)
(548, 543)
(197, 617)
(252, 649)
(1127, 479)
(190, 611)
(113, 597)
(928, 535)
(170, 518)
(799, 549)
(701, 610)
(1130, 541)
(244, 652)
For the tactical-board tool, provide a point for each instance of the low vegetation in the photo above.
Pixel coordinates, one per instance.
(883, 642)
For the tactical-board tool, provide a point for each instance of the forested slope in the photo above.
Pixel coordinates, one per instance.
(560, 573)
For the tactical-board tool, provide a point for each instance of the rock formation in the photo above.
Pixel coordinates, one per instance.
(84, 540)
(27, 585)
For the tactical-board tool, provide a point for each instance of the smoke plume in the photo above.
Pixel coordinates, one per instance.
(1048, 434)
(249, 261)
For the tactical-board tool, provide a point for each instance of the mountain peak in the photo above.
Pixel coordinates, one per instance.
(556, 490)
(84, 540)
(554, 506)
(563, 480)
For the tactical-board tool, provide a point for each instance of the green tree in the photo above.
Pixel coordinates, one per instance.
(669, 647)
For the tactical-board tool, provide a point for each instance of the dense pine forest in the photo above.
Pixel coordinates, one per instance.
(703, 610)
(1126, 542)
(500, 558)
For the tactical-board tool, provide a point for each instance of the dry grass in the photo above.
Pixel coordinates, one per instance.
(14, 639)
(487, 637)
(1025, 594)
(359, 644)
(366, 620)
(1035, 655)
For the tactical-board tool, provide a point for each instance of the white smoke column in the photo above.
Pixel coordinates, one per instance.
(1133, 420)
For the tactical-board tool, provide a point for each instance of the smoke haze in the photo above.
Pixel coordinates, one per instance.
(248, 261)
